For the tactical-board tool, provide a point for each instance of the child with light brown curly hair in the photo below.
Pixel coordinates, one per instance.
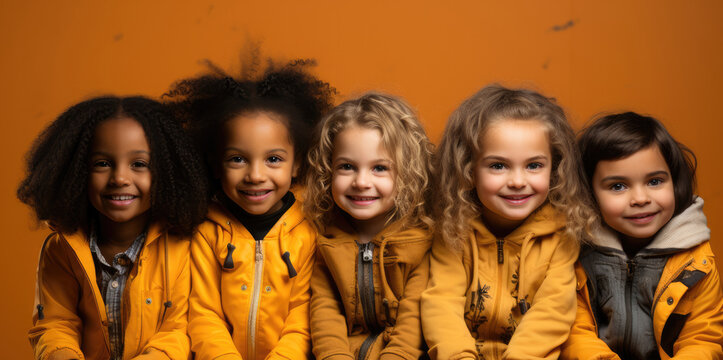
(366, 193)
(511, 206)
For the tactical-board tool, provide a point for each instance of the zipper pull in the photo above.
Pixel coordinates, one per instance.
(259, 254)
(367, 253)
(500, 251)
(631, 267)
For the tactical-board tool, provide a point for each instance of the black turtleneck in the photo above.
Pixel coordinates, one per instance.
(258, 225)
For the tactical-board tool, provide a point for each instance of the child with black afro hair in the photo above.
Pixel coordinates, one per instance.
(118, 181)
(252, 259)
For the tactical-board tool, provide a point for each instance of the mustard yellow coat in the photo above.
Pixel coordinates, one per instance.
(519, 306)
(400, 273)
(75, 320)
(245, 303)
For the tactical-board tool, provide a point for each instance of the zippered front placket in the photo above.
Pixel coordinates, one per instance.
(365, 284)
(629, 305)
(497, 295)
(256, 291)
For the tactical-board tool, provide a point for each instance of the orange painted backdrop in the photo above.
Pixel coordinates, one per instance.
(658, 57)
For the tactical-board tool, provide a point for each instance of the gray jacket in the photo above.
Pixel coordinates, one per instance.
(621, 289)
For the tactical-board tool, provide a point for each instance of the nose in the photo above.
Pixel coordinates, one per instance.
(516, 179)
(361, 180)
(255, 173)
(120, 176)
(639, 196)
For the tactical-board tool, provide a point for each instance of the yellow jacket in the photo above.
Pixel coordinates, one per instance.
(687, 312)
(75, 319)
(522, 308)
(244, 304)
(338, 318)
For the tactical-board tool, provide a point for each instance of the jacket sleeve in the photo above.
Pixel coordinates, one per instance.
(442, 306)
(294, 340)
(328, 324)
(702, 334)
(58, 289)
(209, 332)
(546, 325)
(583, 343)
(171, 340)
(406, 339)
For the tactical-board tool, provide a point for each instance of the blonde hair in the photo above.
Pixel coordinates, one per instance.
(456, 195)
(402, 135)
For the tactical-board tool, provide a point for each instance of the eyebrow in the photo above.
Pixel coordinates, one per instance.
(343, 158)
(500, 158)
(618, 177)
(108, 154)
(231, 148)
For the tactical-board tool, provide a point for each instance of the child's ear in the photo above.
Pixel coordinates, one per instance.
(295, 169)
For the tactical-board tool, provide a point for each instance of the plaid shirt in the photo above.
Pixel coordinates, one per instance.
(111, 282)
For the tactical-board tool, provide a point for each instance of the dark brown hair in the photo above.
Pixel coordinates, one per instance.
(618, 136)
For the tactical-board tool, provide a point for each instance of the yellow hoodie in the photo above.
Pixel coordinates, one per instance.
(509, 298)
(384, 325)
(74, 319)
(247, 301)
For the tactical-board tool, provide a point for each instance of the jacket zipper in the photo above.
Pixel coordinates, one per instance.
(629, 305)
(254, 307)
(495, 306)
(365, 282)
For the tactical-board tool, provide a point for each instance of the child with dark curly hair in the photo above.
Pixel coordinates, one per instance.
(118, 182)
(252, 259)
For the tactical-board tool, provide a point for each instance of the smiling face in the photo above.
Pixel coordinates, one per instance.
(119, 183)
(363, 176)
(635, 194)
(512, 171)
(257, 162)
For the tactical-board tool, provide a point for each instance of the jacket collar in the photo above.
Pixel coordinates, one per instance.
(394, 232)
(543, 221)
(219, 215)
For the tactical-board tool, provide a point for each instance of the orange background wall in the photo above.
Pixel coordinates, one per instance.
(663, 58)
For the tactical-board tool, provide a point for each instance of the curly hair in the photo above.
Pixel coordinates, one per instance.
(205, 103)
(461, 142)
(404, 138)
(618, 136)
(56, 183)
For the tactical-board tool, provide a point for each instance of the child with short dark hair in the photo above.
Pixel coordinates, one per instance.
(252, 258)
(118, 182)
(648, 287)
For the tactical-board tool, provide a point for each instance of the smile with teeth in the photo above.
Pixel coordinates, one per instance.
(362, 200)
(120, 199)
(256, 195)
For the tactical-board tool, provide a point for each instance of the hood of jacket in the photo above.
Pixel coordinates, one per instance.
(544, 221)
(684, 231)
(391, 238)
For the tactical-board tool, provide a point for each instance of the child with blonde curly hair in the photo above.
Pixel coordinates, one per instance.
(366, 193)
(511, 206)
